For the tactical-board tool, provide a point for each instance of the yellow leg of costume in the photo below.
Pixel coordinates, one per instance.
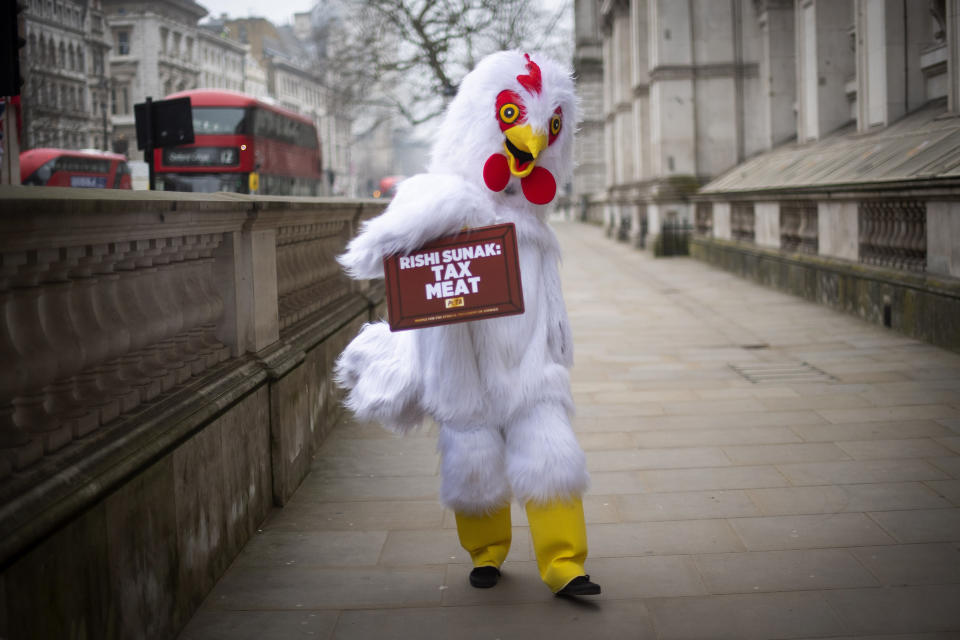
(486, 537)
(559, 541)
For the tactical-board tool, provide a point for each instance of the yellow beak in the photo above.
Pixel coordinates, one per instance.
(523, 145)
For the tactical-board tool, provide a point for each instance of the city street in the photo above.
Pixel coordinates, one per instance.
(762, 467)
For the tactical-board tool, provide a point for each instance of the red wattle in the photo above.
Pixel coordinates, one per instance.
(539, 187)
(496, 172)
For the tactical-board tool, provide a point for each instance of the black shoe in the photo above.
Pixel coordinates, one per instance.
(580, 586)
(484, 577)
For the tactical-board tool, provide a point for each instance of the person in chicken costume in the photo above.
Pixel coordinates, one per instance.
(498, 388)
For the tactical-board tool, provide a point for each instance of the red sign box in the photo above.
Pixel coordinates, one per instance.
(469, 276)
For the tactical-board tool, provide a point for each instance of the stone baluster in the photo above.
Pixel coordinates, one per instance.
(120, 375)
(165, 293)
(200, 309)
(218, 351)
(149, 291)
(888, 240)
(95, 336)
(918, 236)
(61, 328)
(17, 448)
(190, 310)
(36, 352)
(284, 272)
(303, 268)
(897, 240)
(295, 257)
(869, 230)
(143, 370)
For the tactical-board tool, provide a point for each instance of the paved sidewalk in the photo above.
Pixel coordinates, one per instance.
(818, 500)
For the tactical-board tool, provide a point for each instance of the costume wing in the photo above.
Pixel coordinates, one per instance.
(382, 374)
(427, 206)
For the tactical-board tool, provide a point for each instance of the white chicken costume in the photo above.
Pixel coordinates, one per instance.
(498, 388)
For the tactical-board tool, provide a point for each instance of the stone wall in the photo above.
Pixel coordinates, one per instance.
(119, 529)
(923, 306)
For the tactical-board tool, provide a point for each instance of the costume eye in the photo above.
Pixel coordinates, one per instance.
(509, 113)
(555, 124)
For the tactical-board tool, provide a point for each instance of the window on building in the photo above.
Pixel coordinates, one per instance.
(123, 43)
(164, 34)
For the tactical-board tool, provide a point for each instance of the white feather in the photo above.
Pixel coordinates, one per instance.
(427, 206)
(499, 387)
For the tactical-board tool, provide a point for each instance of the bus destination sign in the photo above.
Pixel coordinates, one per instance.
(201, 156)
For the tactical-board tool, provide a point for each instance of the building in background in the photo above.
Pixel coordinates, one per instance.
(680, 103)
(155, 52)
(89, 62)
(813, 144)
(65, 86)
(222, 60)
(693, 89)
(589, 180)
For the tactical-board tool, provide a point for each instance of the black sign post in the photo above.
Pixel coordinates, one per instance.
(164, 123)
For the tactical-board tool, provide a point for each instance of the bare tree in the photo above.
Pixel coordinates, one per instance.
(409, 55)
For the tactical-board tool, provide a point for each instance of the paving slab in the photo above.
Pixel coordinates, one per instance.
(797, 570)
(912, 564)
(850, 498)
(718, 508)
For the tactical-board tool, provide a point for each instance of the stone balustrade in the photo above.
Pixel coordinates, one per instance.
(108, 303)
(165, 356)
(889, 257)
(165, 381)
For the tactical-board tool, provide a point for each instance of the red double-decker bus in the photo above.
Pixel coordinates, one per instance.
(66, 168)
(236, 134)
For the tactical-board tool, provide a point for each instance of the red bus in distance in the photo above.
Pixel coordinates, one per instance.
(236, 134)
(67, 168)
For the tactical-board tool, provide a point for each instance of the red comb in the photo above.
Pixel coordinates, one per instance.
(531, 80)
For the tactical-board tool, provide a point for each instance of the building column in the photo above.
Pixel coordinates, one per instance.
(889, 79)
(825, 63)
(778, 87)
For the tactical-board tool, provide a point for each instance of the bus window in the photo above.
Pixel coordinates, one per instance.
(220, 120)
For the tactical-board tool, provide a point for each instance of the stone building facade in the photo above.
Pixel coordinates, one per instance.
(65, 76)
(155, 52)
(813, 145)
(589, 180)
(222, 61)
(679, 86)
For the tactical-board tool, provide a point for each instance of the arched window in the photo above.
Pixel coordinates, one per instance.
(71, 59)
(62, 61)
